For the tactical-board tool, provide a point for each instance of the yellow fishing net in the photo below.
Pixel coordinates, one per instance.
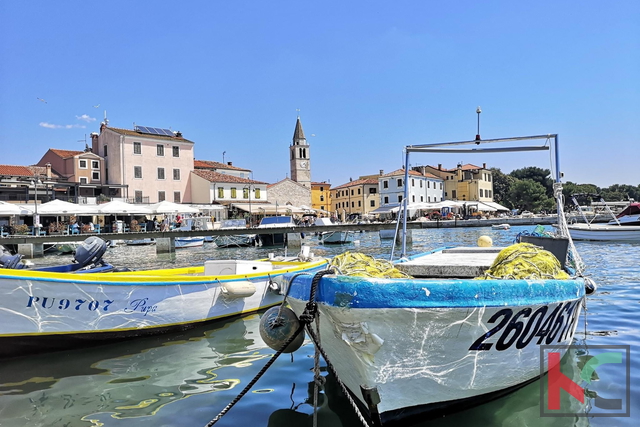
(525, 261)
(358, 264)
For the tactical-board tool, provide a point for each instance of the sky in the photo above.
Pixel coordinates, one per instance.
(367, 78)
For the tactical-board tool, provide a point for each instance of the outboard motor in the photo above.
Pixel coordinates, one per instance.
(90, 251)
(11, 261)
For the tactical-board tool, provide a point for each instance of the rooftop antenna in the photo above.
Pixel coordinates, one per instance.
(106, 121)
(223, 153)
(478, 110)
(298, 112)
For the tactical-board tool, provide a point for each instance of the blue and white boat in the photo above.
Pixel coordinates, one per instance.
(439, 339)
(189, 242)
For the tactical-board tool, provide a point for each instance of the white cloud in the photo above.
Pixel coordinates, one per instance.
(86, 118)
(52, 126)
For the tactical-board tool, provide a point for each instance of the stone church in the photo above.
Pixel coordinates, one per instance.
(295, 191)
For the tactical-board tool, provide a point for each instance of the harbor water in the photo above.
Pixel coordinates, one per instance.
(187, 378)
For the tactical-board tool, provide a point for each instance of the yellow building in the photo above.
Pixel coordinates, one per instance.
(321, 196)
(355, 198)
(465, 182)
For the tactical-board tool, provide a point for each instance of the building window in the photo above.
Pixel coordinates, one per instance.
(245, 193)
(137, 148)
(441, 186)
(234, 193)
(420, 183)
(358, 191)
(421, 199)
(454, 194)
(399, 199)
(83, 180)
(160, 173)
(321, 188)
(429, 184)
(399, 183)
(385, 184)
(386, 200)
(95, 164)
(373, 190)
(481, 192)
(95, 176)
(106, 174)
(353, 205)
(161, 196)
(160, 150)
(256, 193)
(176, 197)
(138, 196)
(104, 151)
(352, 192)
(359, 203)
(137, 172)
(220, 192)
(176, 151)
(83, 164)
(176, 174)
(322, 198)
(372, 203)
(413, 182)
(413, 199)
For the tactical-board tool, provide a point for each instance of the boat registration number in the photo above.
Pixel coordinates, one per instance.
(527, 325)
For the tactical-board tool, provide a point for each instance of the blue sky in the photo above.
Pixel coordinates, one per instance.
(368, 77)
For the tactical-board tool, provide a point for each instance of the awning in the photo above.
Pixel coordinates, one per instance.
(386, 209)
(495, 206)
(270, 209)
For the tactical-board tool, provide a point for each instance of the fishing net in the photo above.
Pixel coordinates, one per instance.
(525, 261)
(359, 264)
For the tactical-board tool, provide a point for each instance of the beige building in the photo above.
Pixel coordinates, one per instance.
(289, 192)
(355, 198)
(150, 164)
(465, 182)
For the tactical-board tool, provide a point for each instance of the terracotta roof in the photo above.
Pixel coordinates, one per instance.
(209, 164)
(321, 183)
(466, 167)
(357, 182)
(401, 172)
(42, 171)
(65, 154)
(146, 135)
(213, 176)
(10, 170)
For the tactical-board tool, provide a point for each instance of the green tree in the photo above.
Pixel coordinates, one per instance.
(501, 187)
(530, 195)
(539, 175)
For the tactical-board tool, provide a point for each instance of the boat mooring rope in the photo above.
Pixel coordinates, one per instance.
(306, 318)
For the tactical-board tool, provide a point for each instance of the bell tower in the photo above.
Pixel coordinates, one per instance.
(300, 157)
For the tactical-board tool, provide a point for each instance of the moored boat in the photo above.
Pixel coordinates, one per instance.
(441, 331)
(501, 226)
(234, 240)
(189, 242)
(336, 237)
(45, 311)
(274, 239)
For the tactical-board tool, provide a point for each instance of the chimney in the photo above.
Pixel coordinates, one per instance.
(484, 166)
(381, 172)
(230, 163)
(439, 166)
(48, 165)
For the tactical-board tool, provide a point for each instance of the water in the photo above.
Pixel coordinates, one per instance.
(186, 379)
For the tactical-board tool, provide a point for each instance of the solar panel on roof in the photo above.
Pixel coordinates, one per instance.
(154, 131)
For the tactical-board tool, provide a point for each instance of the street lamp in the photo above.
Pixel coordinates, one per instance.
(478, 110)
(248, 187)
(36, 218)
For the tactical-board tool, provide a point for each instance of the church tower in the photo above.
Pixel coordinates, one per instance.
(300, 157)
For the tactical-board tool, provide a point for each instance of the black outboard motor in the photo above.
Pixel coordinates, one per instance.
(11, 261)
(90, 251)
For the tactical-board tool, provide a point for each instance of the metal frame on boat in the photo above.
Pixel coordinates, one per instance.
(442, 340)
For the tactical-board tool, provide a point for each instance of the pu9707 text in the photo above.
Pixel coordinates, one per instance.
(523, 327)
(64, 303)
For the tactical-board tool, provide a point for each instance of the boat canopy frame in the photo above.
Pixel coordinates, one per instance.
(479, 147)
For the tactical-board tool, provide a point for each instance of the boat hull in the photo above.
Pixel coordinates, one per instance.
(44, 311)
(599, 232)
(427, 345)
(189, 242)
(336, 237)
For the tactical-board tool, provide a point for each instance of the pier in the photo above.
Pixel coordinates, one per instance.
(32, 246)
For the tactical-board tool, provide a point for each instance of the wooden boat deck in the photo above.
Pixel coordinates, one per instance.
(463, 262)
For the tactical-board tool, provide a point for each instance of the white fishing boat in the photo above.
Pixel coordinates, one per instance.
(274, 239)
(45, 311)
(501, 227)
(622, 227)
(234, 240)
(431, 337)
(336, 237)
(188, 242)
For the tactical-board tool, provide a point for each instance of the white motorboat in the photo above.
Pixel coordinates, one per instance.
(501, 226)
(337, 236)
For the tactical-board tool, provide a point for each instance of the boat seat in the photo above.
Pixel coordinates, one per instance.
(462, 262)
